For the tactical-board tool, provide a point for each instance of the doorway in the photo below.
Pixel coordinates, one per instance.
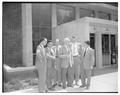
(92, 44)
(108, 49)
(113, 50)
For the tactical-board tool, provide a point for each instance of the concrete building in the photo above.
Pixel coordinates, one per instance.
(25, 23)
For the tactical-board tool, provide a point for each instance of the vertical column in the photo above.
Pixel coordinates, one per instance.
(77, 15)
(98, 48)
(109, 50)
(116, 44)
(116, 39)
(54, 15)
(27, 34)
(54, 21)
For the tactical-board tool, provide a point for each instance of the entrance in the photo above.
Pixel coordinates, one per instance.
(113, 50)
(108, 49)
(92, 44)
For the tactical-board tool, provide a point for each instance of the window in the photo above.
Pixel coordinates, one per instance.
(41, 23)
(92, 44)
(92, 40)
(65, 14)
(103, 15)
(86, 13)
(105, 43)
(115, 17)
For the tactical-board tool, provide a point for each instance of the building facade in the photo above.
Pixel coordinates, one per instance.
(25, 23)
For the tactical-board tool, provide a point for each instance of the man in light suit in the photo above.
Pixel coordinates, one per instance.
(56, 49)
(76, 59)
(65, 56)
(81, 53)
(51, 74)
(41, 65)
(88, 62)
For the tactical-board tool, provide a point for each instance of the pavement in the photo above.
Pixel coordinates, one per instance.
(105, 80)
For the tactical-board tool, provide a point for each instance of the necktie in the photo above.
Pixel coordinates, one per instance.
(57, 50)
(85, 52)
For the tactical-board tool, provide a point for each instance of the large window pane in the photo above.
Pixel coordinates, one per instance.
(41, 23)
(86, 13)
(103, 15)
(41, 14)
(105, 43)
(115, 17)
(65, 14)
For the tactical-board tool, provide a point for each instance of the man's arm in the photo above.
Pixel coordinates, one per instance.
(48, 55)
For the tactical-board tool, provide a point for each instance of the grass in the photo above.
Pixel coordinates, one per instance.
(19, 84)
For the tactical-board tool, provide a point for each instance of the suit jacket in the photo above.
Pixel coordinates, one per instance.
(88, 60)
(40, 56)
(71, 55)
(65, 56)
(81, 50)
(41, 67)
(50, 57)
(55, 49)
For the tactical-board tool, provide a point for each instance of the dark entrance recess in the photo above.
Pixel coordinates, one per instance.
(92, 40)
(92, 44)
(113, 50)
(109, 49)
(105, 49)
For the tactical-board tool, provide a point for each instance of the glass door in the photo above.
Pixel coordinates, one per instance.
(92, 44)
(113, 49)
(106, 49)
(109, 50)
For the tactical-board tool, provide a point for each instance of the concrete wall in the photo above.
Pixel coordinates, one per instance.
(100, 27)
(76, 28)
(12, 34)
(81, 28)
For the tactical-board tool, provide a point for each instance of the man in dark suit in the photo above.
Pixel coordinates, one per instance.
(88, 62)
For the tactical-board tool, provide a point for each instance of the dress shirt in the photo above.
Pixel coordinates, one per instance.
(75, 49)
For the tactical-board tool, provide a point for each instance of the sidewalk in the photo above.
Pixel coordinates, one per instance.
(107, 82)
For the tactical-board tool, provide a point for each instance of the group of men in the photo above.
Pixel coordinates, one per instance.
(73, 61)
(64, 63)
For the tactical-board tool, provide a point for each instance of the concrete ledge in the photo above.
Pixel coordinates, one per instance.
(19, 73)
(22, 73)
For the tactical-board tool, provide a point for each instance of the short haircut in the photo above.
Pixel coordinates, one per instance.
(48, 42)
(42, 39)
(66, 39)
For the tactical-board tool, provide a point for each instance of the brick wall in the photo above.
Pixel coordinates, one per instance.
(12, 34)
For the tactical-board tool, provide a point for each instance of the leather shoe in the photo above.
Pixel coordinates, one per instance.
(64, 87)
(82, 86)
(70, 85)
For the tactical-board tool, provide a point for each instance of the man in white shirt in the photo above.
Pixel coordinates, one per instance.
(75, 53)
